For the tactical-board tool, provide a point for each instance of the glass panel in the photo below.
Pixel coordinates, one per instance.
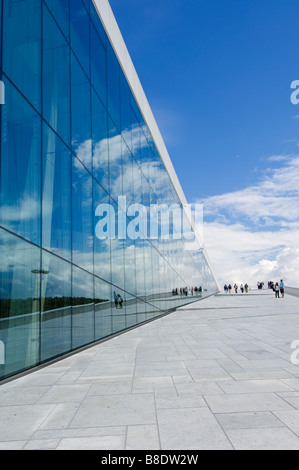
(1, 36)
(103, 312)
(130, 265)
(125, 94)
(131, 310)
(142, 310)
(169, 286)
(118, 309)
(56, 78)
(145, 154)
(103, 305)
(146, 201)
(80, 37)
(153, 311)
(113, 85)
(140, 280)
(82, 216)
(127, 175)
(137, 182)
(156, 278)
(160, 182)
(87, 4)
(115, 161)
(129, 244)
(139, 254)
(135, 109)
(135, 136)
(98, 66)
(97, 23)
(83, 320)
(19, 304)
(162, 289)
(22, 50)
(100, 142)
(61, 12)
(102, 218)
(57, 192)
(56, 307)
(20, 176)
(148, 271)
(81, 114)
(117, 248)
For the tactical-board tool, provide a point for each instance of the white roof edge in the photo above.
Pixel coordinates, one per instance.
(109, 22)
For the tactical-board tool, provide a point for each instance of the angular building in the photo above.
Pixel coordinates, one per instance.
(81, 159)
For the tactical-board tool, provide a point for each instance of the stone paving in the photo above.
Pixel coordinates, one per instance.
(215, 375)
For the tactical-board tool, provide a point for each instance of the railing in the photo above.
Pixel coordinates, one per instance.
(292, 291)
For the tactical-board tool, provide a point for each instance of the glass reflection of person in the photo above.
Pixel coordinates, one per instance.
(115, 300)
(120, 301)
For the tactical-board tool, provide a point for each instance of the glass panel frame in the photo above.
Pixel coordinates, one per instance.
(56, 321)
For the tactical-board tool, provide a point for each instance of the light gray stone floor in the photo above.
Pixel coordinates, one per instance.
(214, 375)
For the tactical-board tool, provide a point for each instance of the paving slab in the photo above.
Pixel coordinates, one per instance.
(92, 443)
(264, 439)
(213, 375)
(115, 410)
(255, 420)
(240, 403)
(254, 386)
(191, 429)
(143, 438)
(290, 419)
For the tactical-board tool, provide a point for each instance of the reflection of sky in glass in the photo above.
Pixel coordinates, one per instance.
(82, 216)
(56, 195)
(20, 265)
(81, 114)
(20, 177)
(90, 146)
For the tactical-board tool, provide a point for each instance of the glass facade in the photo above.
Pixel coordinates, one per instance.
(73, 140)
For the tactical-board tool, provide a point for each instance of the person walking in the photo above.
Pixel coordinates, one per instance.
(225, 289)
(120, 301)
(277, 296)
(281, 288)
(115, 300)
(236, 288)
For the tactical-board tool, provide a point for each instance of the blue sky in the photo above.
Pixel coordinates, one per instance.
(217, 74)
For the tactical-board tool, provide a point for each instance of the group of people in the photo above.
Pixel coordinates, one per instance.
(184, 291)
(278, 288)
(118, 300)
(243, 288)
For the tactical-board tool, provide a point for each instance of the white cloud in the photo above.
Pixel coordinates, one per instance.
(275, 196)
(252, 235)
(279, 158)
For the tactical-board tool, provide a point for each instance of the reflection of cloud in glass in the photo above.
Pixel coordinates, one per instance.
(27, 209)
(111, 154)
(17, 261)
(83, 152)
